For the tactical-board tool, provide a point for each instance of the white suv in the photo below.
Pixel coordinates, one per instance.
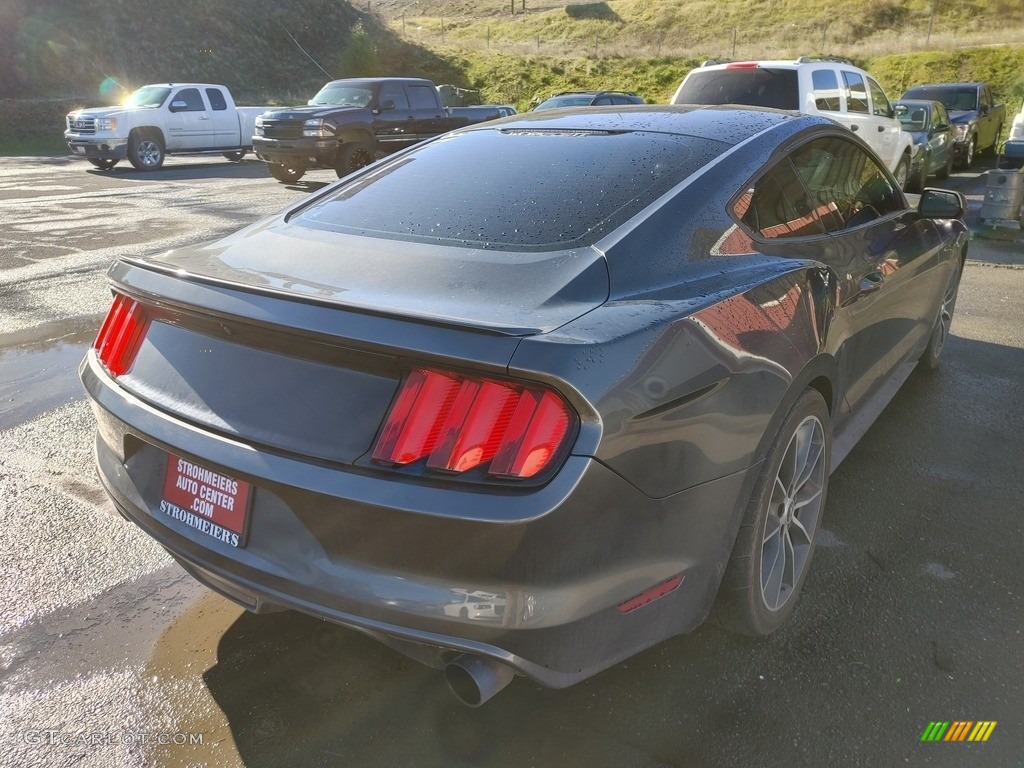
(833, 88)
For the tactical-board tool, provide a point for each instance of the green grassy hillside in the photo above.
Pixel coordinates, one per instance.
(56, 53)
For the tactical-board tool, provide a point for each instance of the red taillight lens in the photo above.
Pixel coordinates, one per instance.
(742, 65)
(121, 334)
(458, 423)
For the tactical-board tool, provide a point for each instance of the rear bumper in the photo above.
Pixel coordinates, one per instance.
(97, 149)
(305, 153)
(540, 573)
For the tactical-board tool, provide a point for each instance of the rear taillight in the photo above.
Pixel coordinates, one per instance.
(458, 423)
(121, 334)
(742, 65)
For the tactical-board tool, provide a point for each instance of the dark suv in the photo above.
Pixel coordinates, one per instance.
(589, 99)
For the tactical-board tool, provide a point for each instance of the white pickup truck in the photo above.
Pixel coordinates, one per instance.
(162, 119)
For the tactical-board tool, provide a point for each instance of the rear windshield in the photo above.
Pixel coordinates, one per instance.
(754, 87)
(582, 100)
(952, 98)
(513, 189)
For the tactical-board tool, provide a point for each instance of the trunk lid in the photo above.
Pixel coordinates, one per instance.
(513, 294)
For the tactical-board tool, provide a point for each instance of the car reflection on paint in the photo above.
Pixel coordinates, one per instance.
(532, 396)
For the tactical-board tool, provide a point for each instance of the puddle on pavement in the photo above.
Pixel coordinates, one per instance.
(39, 367)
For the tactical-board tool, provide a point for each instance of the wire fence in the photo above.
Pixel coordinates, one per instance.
(852, 38)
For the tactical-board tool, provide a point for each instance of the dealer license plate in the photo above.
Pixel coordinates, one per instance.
(214, 504)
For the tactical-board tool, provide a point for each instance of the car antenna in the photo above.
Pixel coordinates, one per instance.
(307, 53)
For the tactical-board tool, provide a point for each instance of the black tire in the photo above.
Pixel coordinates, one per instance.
(902, 172)
(781, 522)
(916, 183)
(352, 157)
(968, 159)
(286, 173)
(103, 165)
(944, 171)
(145, 151)
(235, 157)
(932, 354)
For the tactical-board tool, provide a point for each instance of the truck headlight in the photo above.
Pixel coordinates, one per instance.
(258, 128)
(961, 132)
(106, 124)
(315, 129)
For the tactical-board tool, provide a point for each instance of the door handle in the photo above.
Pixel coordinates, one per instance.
(872, 282)
(854, 127)
(203, 118)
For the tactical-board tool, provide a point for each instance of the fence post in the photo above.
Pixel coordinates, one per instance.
(735, 31)
(442, 29)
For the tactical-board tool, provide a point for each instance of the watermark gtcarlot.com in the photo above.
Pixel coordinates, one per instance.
(53, 737)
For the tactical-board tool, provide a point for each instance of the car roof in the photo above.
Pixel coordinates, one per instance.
(803, 61)
(943, 85)
(591, 93)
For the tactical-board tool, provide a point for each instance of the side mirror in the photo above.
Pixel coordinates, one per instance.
(984, 109)
(941, 204)
(179, 106)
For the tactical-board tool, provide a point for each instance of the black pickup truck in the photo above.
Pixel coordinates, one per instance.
(350, 121)
(976, 117)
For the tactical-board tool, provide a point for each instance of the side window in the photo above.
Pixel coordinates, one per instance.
(602, 101)
(420, 97)
(217, 103)
(396, 93)
(880, 105)
(848, 188)
(777, 206)
(940, 117)
(856, 93)
(826, 90)
(192, 99)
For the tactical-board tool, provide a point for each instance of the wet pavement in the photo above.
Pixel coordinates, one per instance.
(912, 612)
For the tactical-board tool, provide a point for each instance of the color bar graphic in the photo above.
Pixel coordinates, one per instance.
(958, 730)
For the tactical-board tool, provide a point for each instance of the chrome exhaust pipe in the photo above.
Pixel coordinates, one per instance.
(475, 679)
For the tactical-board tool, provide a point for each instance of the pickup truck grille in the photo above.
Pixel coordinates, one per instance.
(83, 125)
(282, 129)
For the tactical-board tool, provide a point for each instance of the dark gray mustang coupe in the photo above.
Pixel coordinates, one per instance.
(532, 396)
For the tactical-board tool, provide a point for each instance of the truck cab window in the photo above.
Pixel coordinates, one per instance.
(396, 93)
(217, 102)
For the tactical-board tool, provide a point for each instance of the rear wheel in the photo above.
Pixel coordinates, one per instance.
(286, 173)
(145, 151)
(352, 157)
(103, 165)
(940, 332)
(234, 157)
(902, 172)
(773, 549)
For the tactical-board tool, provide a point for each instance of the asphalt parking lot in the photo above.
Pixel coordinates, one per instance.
(110, 655)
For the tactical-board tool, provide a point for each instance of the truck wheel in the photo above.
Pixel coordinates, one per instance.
(145, 151)
(352, 157)
(235, 157)
(286, 173)
(103, 165)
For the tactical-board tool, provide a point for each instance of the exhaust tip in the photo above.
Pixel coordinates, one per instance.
(476, 679)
